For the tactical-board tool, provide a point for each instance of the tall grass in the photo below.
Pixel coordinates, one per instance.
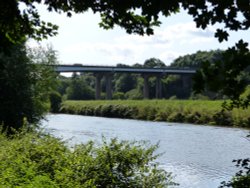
(183, 111)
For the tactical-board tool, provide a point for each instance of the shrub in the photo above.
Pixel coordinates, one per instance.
(106, 111)
(119, 95)
(55, 101)
(223, 118)
(134, 94)
(176, 117)
(39, 160)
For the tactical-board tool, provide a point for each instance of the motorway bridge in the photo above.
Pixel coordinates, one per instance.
(108, 71)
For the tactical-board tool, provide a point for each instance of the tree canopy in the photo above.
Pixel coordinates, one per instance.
(228, 75)
(19, 18)
(195, 60)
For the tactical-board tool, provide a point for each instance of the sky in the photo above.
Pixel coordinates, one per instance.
(80, 40)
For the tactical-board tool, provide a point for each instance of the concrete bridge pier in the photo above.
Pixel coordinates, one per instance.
(158, 88)
(108, 79)
(146, 86)
(186, 80)
(98, 78)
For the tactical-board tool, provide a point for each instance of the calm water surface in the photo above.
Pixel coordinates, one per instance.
(198, 156)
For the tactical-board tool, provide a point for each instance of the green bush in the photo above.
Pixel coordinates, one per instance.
(39, 160)
(55, 101)
(176, 117)
(223, 118)
(119, 95)
(106, 111)
(134, 94)
(246, 93)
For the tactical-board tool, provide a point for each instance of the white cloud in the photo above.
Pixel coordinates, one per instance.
(86, 43)
(169, 56)
(81, 40)
(169, 34)
(108, 53)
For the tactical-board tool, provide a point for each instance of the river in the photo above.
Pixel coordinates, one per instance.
(199, 156)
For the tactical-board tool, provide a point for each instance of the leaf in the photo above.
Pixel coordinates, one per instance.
(221, 35)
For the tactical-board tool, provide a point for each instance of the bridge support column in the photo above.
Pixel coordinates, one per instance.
(186, 85)
(98, 78)
(146, 86)
(158, 87)
(108, 78)
(186, 81)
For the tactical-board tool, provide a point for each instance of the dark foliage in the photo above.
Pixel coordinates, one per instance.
(78, 89)
(15, 23)
(242, 177)
(55, 101)
(228, 75)
(24, 86)
(16, 89)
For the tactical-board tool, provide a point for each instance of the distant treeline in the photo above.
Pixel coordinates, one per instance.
(130, 86)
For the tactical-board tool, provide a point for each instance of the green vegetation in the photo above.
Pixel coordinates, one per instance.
(188, 111)
(25, 84)
(227, 76)
(195, 60)
(23, 95)
(55, 101)
(242, 177)
(42, 161)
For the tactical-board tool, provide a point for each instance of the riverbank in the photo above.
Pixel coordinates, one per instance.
(181, 111)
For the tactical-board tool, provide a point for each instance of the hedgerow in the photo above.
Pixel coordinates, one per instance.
(182, 111)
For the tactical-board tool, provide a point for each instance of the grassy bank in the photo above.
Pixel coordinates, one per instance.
(183, 111)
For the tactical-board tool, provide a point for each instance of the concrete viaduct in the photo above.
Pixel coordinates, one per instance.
(108, 71)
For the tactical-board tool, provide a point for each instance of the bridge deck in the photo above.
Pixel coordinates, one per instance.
(107, 69)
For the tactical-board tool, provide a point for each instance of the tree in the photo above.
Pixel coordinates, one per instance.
(63, 84)
(55, 101)
(228, 75)
(16, 101)
(24, 86)
(125, 82)
(78, 89)
(195, 60)
(154, 63)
